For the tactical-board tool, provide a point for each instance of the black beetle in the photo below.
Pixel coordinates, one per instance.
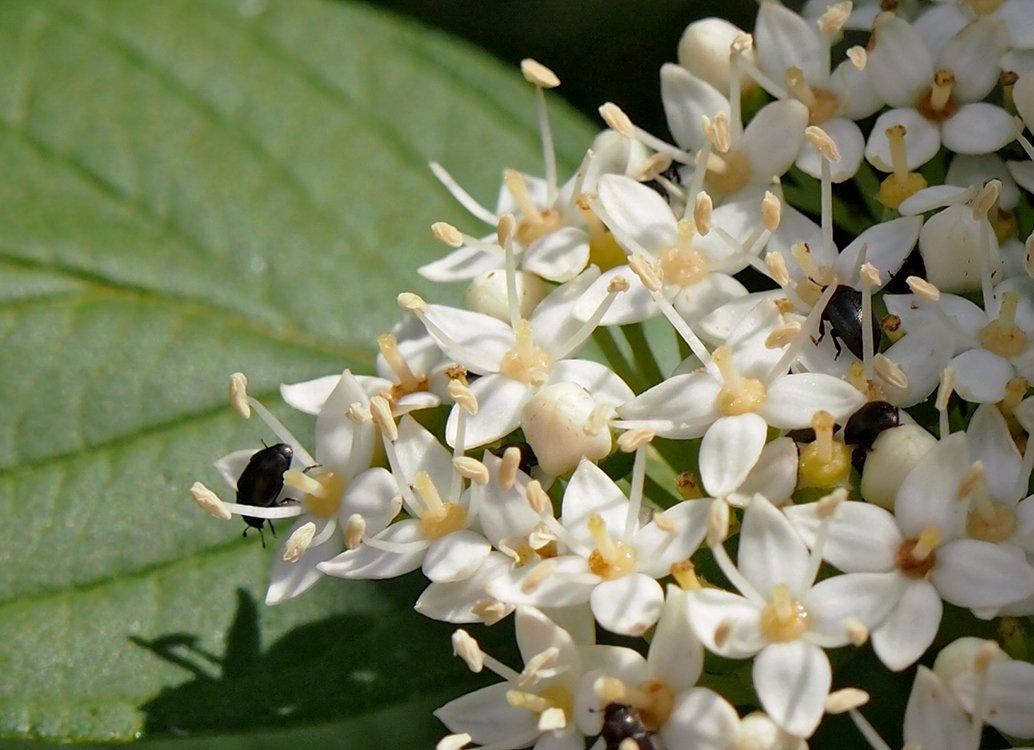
(866, 424)
(844, 316)
(528, 458)
(261, 481)
(621, 723)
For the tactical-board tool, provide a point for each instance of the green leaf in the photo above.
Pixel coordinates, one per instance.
(193, 188)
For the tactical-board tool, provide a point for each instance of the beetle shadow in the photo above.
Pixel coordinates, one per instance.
(333, 668)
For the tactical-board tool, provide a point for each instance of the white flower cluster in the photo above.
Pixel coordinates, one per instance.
(863, 450)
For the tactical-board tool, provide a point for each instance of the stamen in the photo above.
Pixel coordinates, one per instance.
(413, 303)
(606, 546)
(619, 121)
(380, 410)
(868, 732)
(463, 396)
(807, 328)
(846, 699)
(239, 394)
(783, 618)
(902, 183)
(800, 89)
(635, 492)
(940, 92)
(462, 196)
(389, 349)
(210, 501)
(889, 371)
(702, 213)
(447, 234)
(717, 530)
(834, 18)
(739, 395)
(299, 542)
(929, 539)
(870, 278)
(521, 699)
(355, 529)
(465, 647)
(281, 432)
(454, 742)
(470, 468)
(685, 575)
(944, 391)
(543, 78)
(858, 56)
(537, 575)
(538, 499)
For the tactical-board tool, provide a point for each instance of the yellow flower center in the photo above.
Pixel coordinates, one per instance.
(323, 492)
(728, 172)
(783, 618)
(526, 362)
(1003, 337)
(611, 558)
(739, 395)
(994, 523)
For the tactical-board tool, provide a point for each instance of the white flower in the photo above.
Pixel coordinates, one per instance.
(609, 557)
(782, 616)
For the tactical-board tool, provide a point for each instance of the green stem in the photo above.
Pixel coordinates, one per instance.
(646, 365)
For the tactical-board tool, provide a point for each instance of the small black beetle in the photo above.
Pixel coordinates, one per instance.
(844, 316)
(865, 425)
(261, 481)
(622, 723)
(528, 458)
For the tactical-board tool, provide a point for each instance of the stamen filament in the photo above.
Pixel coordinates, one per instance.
(635, 494)
(733, 574)
(389, 349)
(462, 196)
(807, 328)
(282, 432)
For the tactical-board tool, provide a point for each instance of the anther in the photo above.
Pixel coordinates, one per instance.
(702, 213)
(846, 699)
(890, 371)
(858, 56)
(647, 274)
(380, 410)
(923, 289)
(389, 349)
(776, 265)
(538, 74)
(454, 742)
(771, 211)
(355, 527)
(856, 632)
(506, 229)
(447, 234)
(538, 499)
(834, 18)
(717, 524)
(616, 119)
(209, 501)
(986, 199)
(470, 468)
(298, 542)
(782, 336)
(463, 396)
(465, 647)
(239, 394)
(630, 440)
(825, 145)
(358, 413)
(412, 302)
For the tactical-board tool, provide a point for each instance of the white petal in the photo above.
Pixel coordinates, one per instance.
(419, 450)
(629, 605)
(637, 212)
(774, 475)
(867, 597)
(855, 91)
(714, 290)
(922, 140)
(558, 256)
(366, 562)
(927, 496)
(591, 492)
(701, 719)
(342, 445)
(374, 495)
(992, 444)
(658, 549)
(861, 537)
(567, 583)
(899, 64)
(932, 717)
(1010, 685)
(499, 410)
(476, 341)
(686, 99)
(793, 399)
(850, 144)
(537, 633)
(688, 398)
(910, 627)
(967, 169)
(716, 327)
(935, 196)
(773, 138)
(454, 602)
(455, 556)
(785, 40)
(1018, 17)
(309, 396)
(1022, 172)
(771, 552)
(980, 376)
(289, 579)
(632, 306)
(554, 325)
(978, 128)
(887, 245)
(714, 609)
(462, 264)
(793, 681)
(487, 717)
(599, 380)
(973, 55)
(675, 656)
(979, 574)
(729, 450)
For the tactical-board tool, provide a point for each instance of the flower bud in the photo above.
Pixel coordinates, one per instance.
(959, 656)
(487, 294)
(894, 454)
(951, 243)
(704, 51)
(557, 423)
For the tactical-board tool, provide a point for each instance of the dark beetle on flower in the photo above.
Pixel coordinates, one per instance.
(261, 481)
(623, 723)
(843, 314)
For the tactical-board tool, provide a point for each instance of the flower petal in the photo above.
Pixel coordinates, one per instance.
(1010, 685)
(910, 627)
(289, 579)
(558, 256)
(368, 562)
(701, 719)
(455, 556)
(978, 128)
(933, 718)
(629, 605)
(793, 681)
(861, 537)
(730, 449)
(686, 99)
(793, 399)
(637, 212)
(773, 138)
(922, 139)
(927, 497)
(970, 573)
(713, 611)
(771, 552)
(834, 602)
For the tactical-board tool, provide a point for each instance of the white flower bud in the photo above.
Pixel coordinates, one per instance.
(487, 294)
(554, 422)
(894, 453)
(704, 52)
(959, 656)
(951, 243)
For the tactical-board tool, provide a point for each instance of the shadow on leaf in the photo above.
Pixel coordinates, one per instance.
(341, 666)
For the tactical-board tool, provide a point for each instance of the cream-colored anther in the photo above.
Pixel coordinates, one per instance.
(617, 285)
(470, 468)
(742, 43)
(298, 542)
(702, 213)
(945, 388)
(465, 647)
(858, 56)
(645, 270)
(825, 145)
(923, 289)
(869, 274)
(490, 611)
(776, 265)
(940, 90)
(209, 501)
(986, 199)
(782, 336)
(358, 412)
(454, 742)
(355, 527)
(552, 719)
(801, 252)
(538, 499)
(771, 211)
(505, 230)
(598, 419)
(718, 133)
(462, 395)
(380, 410)
(412, 302)
(717, 523)
(541, 662)
(665, 523)
(846, 699)
(537, 73)
(856, 632)
(239, 394)
(616, 119)
(685, 575)
(654, 166)
(630, 440)
(509, 466)
(834, 18)
(447, 234)
(889, 371)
